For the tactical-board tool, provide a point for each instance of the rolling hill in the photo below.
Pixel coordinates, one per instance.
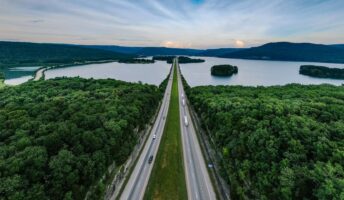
(115, 48)
(285, 51)
(28, 54)
(218, 52)
(338, 45)
(148, 51)
(163, 51)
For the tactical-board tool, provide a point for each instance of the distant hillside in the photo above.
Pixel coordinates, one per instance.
(338, 45)
(164, 51)
(218, 52)
(148, 51)
(114, 48)
(285, 51)
(28, 54)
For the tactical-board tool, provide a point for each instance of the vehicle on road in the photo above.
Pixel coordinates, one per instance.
(183, 101)
(186, 122)
(150, 160)
(154, 136)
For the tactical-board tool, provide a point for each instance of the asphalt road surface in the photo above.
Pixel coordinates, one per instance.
(198, 182)
(137, 183)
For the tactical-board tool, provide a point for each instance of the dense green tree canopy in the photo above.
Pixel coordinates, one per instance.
(223, 70)
(283, 142)
(57, 137)
(2, 80)
(34, 54)
(168, 59)
(322, 72)
(181, 59)
(185, 60)
(287, 51)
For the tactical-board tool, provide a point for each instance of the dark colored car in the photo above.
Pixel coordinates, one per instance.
(150, 159)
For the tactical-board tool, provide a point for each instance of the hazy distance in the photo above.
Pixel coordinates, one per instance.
(172, 23)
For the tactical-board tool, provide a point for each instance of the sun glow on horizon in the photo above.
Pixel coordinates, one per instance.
(239, 43)
(174, 44)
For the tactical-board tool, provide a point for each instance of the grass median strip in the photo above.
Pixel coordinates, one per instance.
(167, 180)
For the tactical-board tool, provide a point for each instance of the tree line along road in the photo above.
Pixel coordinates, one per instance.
(171, 165)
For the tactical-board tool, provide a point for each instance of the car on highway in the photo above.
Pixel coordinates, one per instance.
(154, 136)
(186, 122)
(183, 101)
(150, 160)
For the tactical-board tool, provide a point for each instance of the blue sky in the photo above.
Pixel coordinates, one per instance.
(173, 23)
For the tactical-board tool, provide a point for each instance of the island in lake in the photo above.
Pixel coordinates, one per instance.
(181, 59)
(224, 70)
(184, 60)
(322, 72)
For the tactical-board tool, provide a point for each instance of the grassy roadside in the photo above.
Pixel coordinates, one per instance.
(167, 180)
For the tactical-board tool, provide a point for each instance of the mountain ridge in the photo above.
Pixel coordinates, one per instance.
(279, 51)
(39, 54)
(287, 51)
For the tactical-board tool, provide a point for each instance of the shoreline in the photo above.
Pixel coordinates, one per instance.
(40, 72)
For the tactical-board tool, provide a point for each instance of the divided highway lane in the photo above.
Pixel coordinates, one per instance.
(137, 183)
(198, 182)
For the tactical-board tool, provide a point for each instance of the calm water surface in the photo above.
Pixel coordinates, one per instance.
(146, 73)
(253, 73)
(19, 75)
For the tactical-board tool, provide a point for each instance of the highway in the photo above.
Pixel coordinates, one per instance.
(39, 74)
(137, 183)
(198, 182)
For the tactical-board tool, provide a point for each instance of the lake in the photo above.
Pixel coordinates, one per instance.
(253, 73)
(146, 73)
(18, 75)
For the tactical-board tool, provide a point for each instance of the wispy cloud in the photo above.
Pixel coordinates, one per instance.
(179, 23)
(36, 21)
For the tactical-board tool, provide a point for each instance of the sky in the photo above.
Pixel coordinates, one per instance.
(173, 23)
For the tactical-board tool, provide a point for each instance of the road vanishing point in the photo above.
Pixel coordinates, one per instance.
(198, 182)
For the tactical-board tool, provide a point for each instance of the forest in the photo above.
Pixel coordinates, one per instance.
(280, 142)
(35, 54)
(185, 60)
(168, 59)
(286, 51)
(223, 70)
(322, 72)
(181, 59)
(2, 80)
(58, 137)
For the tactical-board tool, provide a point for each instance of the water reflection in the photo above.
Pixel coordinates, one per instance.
(253, 73)
(146, 73)
(18, 75)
